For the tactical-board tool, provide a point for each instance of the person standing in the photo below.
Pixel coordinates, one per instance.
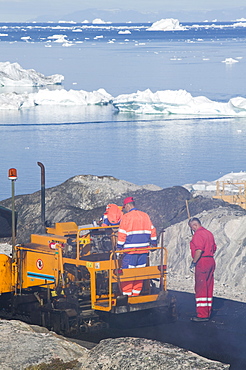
(202, 247)
(136, 232)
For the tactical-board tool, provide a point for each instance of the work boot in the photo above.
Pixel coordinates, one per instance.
(199, 319)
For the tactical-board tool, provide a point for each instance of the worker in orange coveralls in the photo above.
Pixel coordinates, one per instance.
(112, 216)
(202, 248)
(137, 232)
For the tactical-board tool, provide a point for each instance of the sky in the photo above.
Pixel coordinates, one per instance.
(26, 10)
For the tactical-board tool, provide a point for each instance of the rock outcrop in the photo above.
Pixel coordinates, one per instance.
(22, 345)
(29, 347)
(83, 199)
(137, 354)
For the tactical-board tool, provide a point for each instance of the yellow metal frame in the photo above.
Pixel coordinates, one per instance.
(63, 228)
(38, 265)
(106, 302)
(239, 198)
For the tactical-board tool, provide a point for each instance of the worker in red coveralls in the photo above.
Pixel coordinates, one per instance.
(202, 248)
(135, 232)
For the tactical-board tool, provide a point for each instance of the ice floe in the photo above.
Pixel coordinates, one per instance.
(124, 32)
(58, 38)
(229, 61)
(12, 74)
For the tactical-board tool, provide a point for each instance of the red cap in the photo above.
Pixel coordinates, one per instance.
(128, 200)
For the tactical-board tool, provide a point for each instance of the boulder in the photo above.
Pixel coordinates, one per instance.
(137, 354)
(30, 347)
(23, 346)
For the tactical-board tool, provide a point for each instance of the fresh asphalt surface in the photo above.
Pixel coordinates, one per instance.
(222, 338)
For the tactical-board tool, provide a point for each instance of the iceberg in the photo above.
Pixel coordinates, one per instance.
(168, 24)
(99, 21)
(12, 100)
(229, 61)
(171, 103)
(58, 97)
(58, 38)
(124, 32)
(71, 97)
(178, 102)
(12, 74)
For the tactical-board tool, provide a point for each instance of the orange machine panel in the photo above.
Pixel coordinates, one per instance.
(5, 273)
(39, 268)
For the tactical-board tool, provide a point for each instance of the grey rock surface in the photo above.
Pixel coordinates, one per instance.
(137, 354)
(23, 347)
(83, 198)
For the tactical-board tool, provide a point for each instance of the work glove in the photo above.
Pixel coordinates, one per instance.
(192, 267)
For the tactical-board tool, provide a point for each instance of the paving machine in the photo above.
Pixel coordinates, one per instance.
(68, 279)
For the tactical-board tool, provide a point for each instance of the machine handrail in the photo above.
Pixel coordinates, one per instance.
(113, 269)
(86, 228)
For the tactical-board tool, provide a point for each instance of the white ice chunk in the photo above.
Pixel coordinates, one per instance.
(178, 102)
(124, 32)
(12, 74)
(240, 24)
(58, 38)
(12, 100)
(230, 61)
(71, 97)
(26, 38)
(169, 24)
(55, 97)
(99, 21)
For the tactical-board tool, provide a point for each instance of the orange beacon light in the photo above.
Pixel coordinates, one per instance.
(12, 174)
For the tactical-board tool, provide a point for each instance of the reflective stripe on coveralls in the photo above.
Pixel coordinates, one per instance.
(133, 288)
(135, 231)
(204, 284)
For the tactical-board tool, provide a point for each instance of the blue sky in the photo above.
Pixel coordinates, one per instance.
(24, 10)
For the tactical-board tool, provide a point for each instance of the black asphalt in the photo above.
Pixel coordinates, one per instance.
(222, 338)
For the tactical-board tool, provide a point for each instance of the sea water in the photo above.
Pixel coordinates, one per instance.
(99, 140)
